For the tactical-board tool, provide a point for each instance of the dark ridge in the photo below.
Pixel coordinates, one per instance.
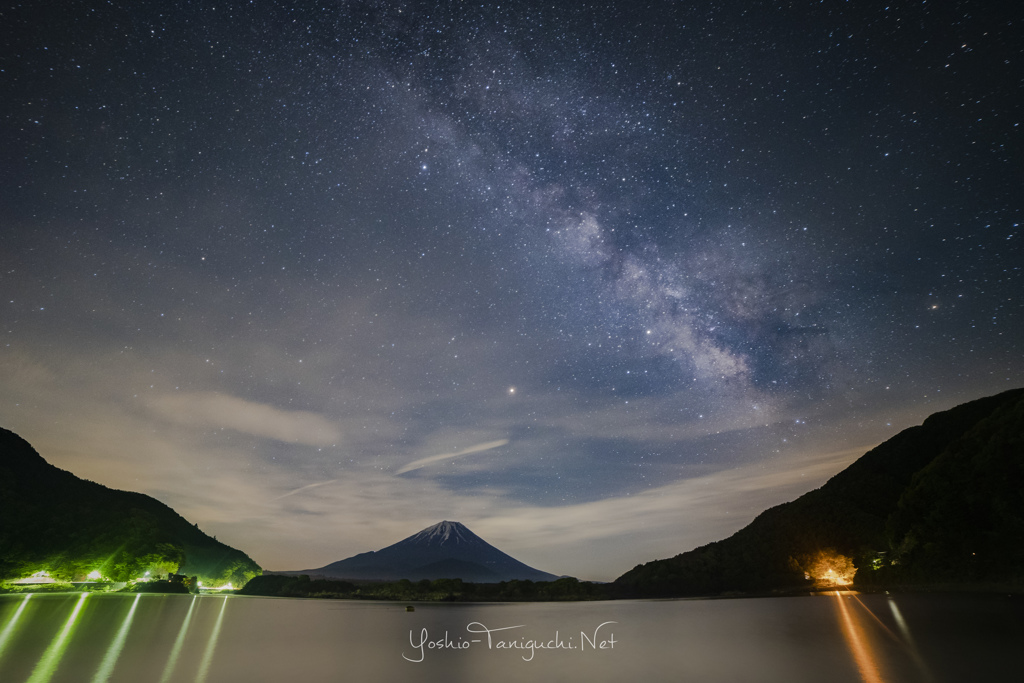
(50, 519)
(938, 502)
(444, 550)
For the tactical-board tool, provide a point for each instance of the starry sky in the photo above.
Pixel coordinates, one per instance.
(602, 281)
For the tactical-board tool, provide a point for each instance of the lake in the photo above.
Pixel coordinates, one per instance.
(82, 638)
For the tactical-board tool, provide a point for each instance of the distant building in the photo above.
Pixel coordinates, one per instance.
(38, 577)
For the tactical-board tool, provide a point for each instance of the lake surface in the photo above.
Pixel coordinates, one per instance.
(82, 638)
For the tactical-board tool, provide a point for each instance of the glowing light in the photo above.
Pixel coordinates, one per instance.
(51, 658)
(38, 577)
(94, 575)
(832, 577)
(5, 635)
(116, 645)
(211, 645)
(831, 569)
(511, 390)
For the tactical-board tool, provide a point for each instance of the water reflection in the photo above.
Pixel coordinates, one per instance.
(855, 625)
(857, 641)
(114, 651)
(5, 635)
(55, 652)
(840, 637)
(172, 661)
(211, 645)
(908, 639)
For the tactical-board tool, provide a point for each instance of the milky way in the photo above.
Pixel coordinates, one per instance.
(601, 281)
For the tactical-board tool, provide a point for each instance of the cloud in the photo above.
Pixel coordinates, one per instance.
(479, 448)
(213, 409)
(306, 488)
(659, 522)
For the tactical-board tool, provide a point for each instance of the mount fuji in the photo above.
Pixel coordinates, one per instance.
(447, 550)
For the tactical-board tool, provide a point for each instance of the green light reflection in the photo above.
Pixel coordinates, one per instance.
(204, 666)
(5, 636)
(114, 651)
(172, 661)
(51, 658)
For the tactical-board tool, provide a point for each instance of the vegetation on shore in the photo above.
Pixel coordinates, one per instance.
(937, 507)
(937, 504)
(51, 521)
(444, 590)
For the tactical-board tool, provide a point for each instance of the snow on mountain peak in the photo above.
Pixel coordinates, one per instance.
(446, 549)
(445, 532)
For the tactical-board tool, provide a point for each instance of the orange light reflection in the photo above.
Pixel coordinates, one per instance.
(857, 641)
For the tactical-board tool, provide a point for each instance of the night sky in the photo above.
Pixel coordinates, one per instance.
(602, 281)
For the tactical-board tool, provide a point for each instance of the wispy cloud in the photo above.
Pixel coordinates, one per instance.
(656, 523)
(430, 460)
(305, 488)
(213, 409)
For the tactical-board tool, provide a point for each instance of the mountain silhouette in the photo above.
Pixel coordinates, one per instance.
(446, 550)
(50, 519)
(939, 503)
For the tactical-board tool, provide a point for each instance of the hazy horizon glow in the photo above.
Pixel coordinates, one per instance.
(600, 282)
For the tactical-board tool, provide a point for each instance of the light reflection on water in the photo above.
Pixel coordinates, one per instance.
(211, 645)
(172, 659)
(57, 638)
(862, 629)
(48, 663)
(857, 640)
(114, 651)
(5, 634)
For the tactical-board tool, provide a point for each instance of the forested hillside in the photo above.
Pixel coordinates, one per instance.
(50, 520)
(942, 501)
